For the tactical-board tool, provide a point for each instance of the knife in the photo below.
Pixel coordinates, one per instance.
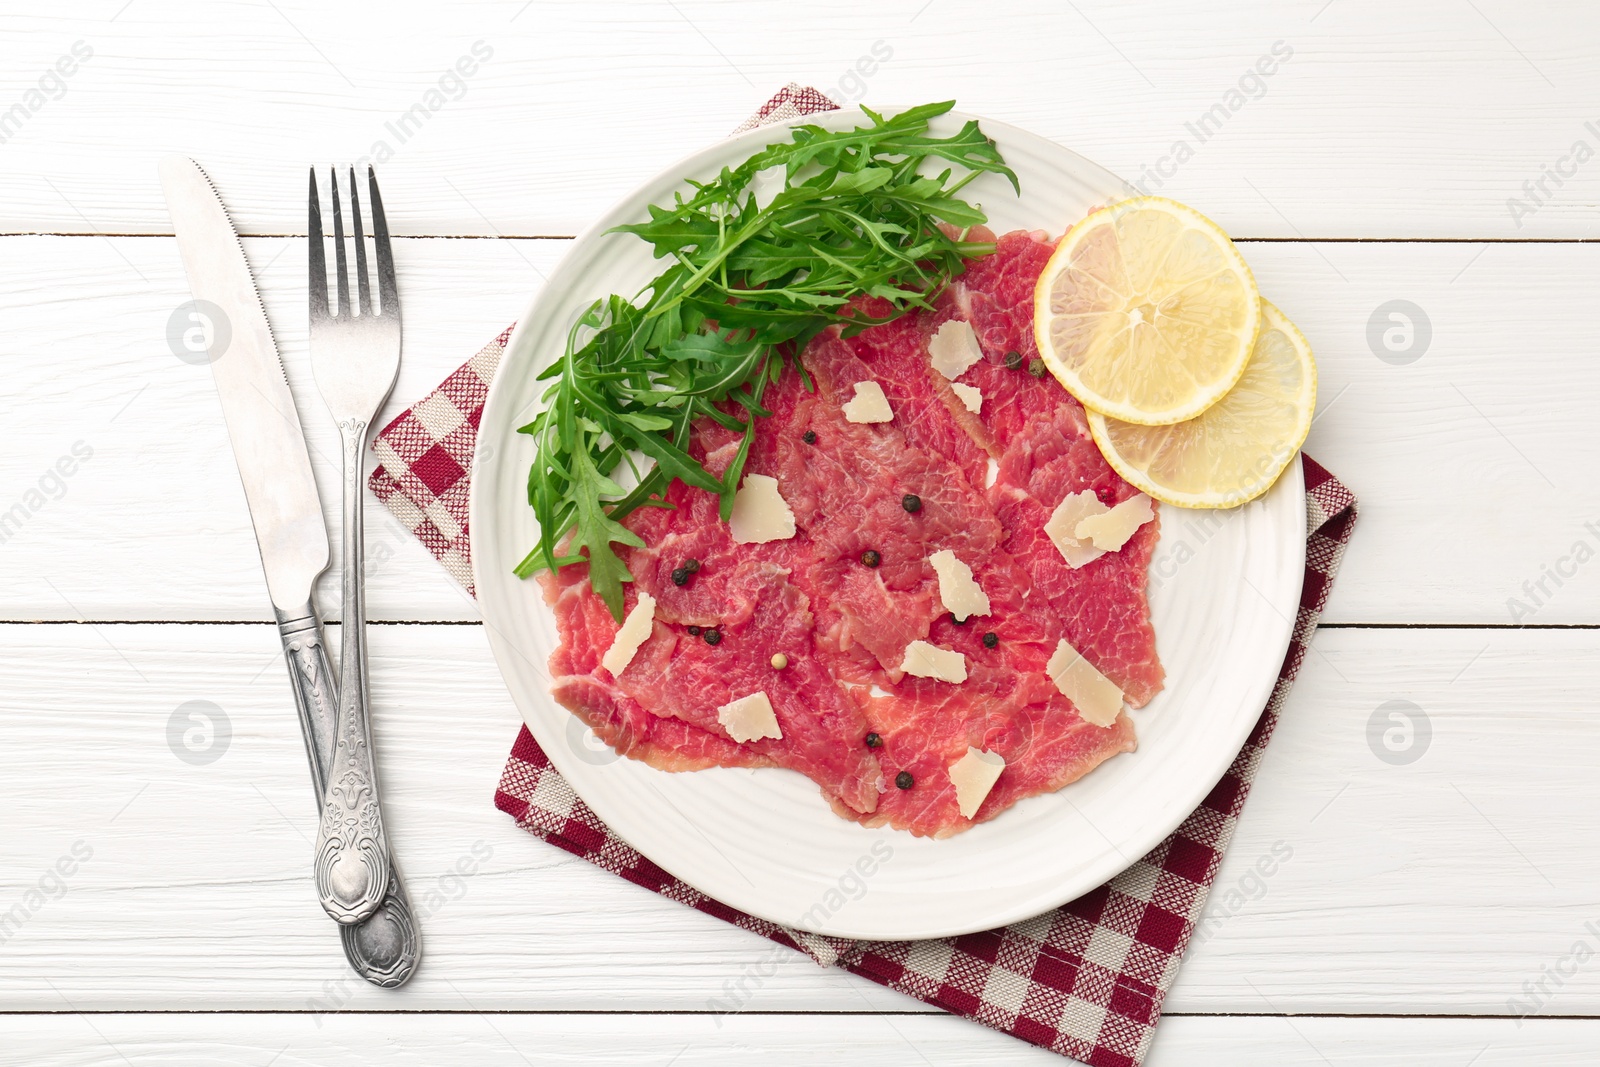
(270, 450)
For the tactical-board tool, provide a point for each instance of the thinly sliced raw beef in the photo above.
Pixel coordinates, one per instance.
(1103, 604)
(1045, 454)
(582, 685)
(985, 484)
(745, 595)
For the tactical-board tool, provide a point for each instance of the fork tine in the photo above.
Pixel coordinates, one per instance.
(388, 291)
(359, 234)
(341, 277)
(317, 284)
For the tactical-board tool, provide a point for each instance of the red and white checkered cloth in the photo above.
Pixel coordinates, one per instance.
(1086, 980)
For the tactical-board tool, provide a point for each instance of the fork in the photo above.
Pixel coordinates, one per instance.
(355, 356)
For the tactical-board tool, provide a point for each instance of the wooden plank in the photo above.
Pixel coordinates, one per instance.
(1355, 885)
(473, 1040)
(1470, 461)
(1464, 449)
(1416, 840)
(199, 872)
(162, 483)
(1417, 122)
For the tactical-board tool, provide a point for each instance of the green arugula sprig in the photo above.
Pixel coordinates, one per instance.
(750, 284)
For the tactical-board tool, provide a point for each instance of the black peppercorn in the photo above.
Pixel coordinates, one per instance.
(957, 622)
(911, 502)
(680, 575)
(874, 741)
(691, 565)
(694, 631)
(904, 780)
(991, 639)
(712, 636)
(809, 437)
(869, 558)
(1013, 359)
(1036, 367)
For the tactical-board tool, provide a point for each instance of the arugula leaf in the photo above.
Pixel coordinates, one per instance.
(862, 212)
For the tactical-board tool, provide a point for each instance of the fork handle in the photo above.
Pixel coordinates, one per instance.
(352, 860)
(386, 949)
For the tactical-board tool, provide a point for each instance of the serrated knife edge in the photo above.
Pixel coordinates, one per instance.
(264, 427)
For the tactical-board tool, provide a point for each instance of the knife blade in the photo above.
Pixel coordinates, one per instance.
(263, 425)
(269, 448)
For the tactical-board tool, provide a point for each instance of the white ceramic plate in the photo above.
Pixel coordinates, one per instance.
(1226, 586)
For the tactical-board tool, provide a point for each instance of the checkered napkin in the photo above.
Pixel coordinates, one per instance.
(1086, 980)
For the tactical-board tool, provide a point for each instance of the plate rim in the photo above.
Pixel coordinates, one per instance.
(1292, 480)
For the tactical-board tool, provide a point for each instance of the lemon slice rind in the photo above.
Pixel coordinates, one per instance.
(1111, 365)
(1256, 469)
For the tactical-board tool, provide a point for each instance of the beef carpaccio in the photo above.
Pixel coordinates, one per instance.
(987, 483)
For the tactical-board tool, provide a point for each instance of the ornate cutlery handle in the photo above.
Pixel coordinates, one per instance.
(386, 949)
(352, 858)
(316, 696)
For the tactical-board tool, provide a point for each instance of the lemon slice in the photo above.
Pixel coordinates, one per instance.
(1146, 312)
(1235, 450)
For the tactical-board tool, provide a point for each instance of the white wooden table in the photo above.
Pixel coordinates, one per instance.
(1422, 152)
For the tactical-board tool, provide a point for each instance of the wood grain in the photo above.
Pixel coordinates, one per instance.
(1440, 885)
(1449, 885)
(490, 1040)
(1472, 461)
(1420, 120)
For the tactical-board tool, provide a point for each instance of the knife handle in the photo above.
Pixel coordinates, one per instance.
(316, 692)
(386, 949)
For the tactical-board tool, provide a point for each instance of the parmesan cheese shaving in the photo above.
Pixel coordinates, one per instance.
(868, 405)
(1110, 530)
(954, 348)
(930, 661)
(1065, 521)
(760, 514)
(971, 396)
(1096, 697)
(749, 718)
(962, 596)
(633, 633)
(973, 775)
